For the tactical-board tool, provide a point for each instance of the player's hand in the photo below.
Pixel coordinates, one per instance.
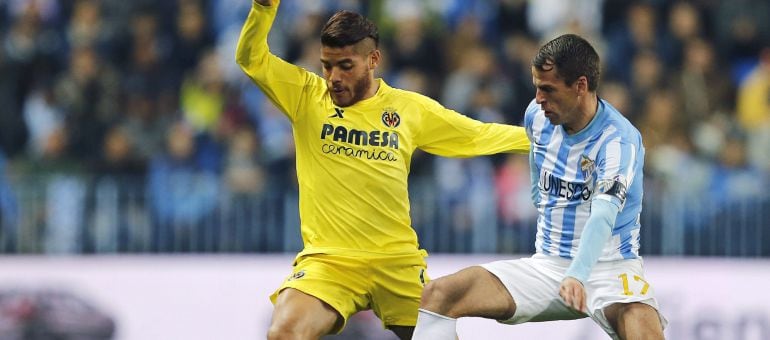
(573, 294)
(267, 3)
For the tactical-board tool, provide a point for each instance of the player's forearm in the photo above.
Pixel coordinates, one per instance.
(455, 135)
(252, 53)
(495, 138)
(597, 231)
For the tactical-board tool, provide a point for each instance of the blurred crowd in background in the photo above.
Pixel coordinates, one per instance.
(127, 125)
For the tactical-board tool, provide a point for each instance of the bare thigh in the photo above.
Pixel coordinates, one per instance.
(632, 321)
(473, 291)
(301, 316)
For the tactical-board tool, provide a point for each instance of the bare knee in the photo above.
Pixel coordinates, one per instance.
(634, 321)
(293, 329)
(437, 294)
(301, 316)
(286, 330)
(281, 332)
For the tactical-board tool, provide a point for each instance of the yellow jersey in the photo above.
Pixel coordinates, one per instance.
(353, 162)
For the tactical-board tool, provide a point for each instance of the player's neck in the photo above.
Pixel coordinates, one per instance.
(586, 112)
(374, 86)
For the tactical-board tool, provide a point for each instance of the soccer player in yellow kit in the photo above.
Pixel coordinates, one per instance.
(354, 138)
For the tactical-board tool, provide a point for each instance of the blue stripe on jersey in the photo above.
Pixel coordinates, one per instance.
(626, 247)
(534, 177)
(546, 231)
(568, 231)
(536, 162)
(567, 225)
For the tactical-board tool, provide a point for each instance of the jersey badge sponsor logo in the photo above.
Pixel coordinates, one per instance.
(296, 276)
(337, 113)
(559, 188)
(587, 165)
(391, 118)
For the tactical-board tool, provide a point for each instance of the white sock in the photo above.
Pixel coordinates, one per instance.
(433, 326)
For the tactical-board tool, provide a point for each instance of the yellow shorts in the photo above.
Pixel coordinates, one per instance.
(389, 285)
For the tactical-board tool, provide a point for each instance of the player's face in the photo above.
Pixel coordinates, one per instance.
(558, 100)
(349, 73)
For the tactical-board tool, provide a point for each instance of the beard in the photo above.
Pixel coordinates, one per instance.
(357, 93)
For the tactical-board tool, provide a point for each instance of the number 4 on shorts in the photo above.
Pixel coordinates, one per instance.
(637, 278)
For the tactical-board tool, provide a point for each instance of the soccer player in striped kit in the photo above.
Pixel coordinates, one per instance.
(586, 163)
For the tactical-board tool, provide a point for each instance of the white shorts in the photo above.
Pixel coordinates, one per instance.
(534, 285)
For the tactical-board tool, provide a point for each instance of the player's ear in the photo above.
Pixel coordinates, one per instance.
(582, 85)
(374, 59)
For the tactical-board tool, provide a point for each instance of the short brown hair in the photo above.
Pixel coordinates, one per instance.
(347, 28)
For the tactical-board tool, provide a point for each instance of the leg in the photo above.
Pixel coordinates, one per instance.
(472, 291)
(301, 316)
(403, 332)
(634, 321)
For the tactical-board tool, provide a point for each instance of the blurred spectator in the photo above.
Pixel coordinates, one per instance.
(753, 93)
(23, 51)
(619, 97)
(9, 213)
(637, 33)
(514, 201)
(467, 36)
(117, 194)
(477, 68)
(87, 28)
(245, 184)
(143, 61)
(412, 47)
(191, 39)
(647, 76)
(684, 24)
(548, 17)
(517, 51)
(88, 95)
(512, 16)
(57, 178)
(703, 90)
(145, 123)
(42, 117)
(741, 28)
(183, 195)
(202, 95)
(734, 179)
(243, 172)
(659, 123)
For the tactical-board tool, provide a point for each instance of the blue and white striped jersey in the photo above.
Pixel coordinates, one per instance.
(568, 171)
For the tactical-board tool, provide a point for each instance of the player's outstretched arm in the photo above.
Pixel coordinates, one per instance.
(252, 52)
(283, 83)
(450, 134)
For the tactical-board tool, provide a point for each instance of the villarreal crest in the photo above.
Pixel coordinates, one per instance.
(391, 118)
